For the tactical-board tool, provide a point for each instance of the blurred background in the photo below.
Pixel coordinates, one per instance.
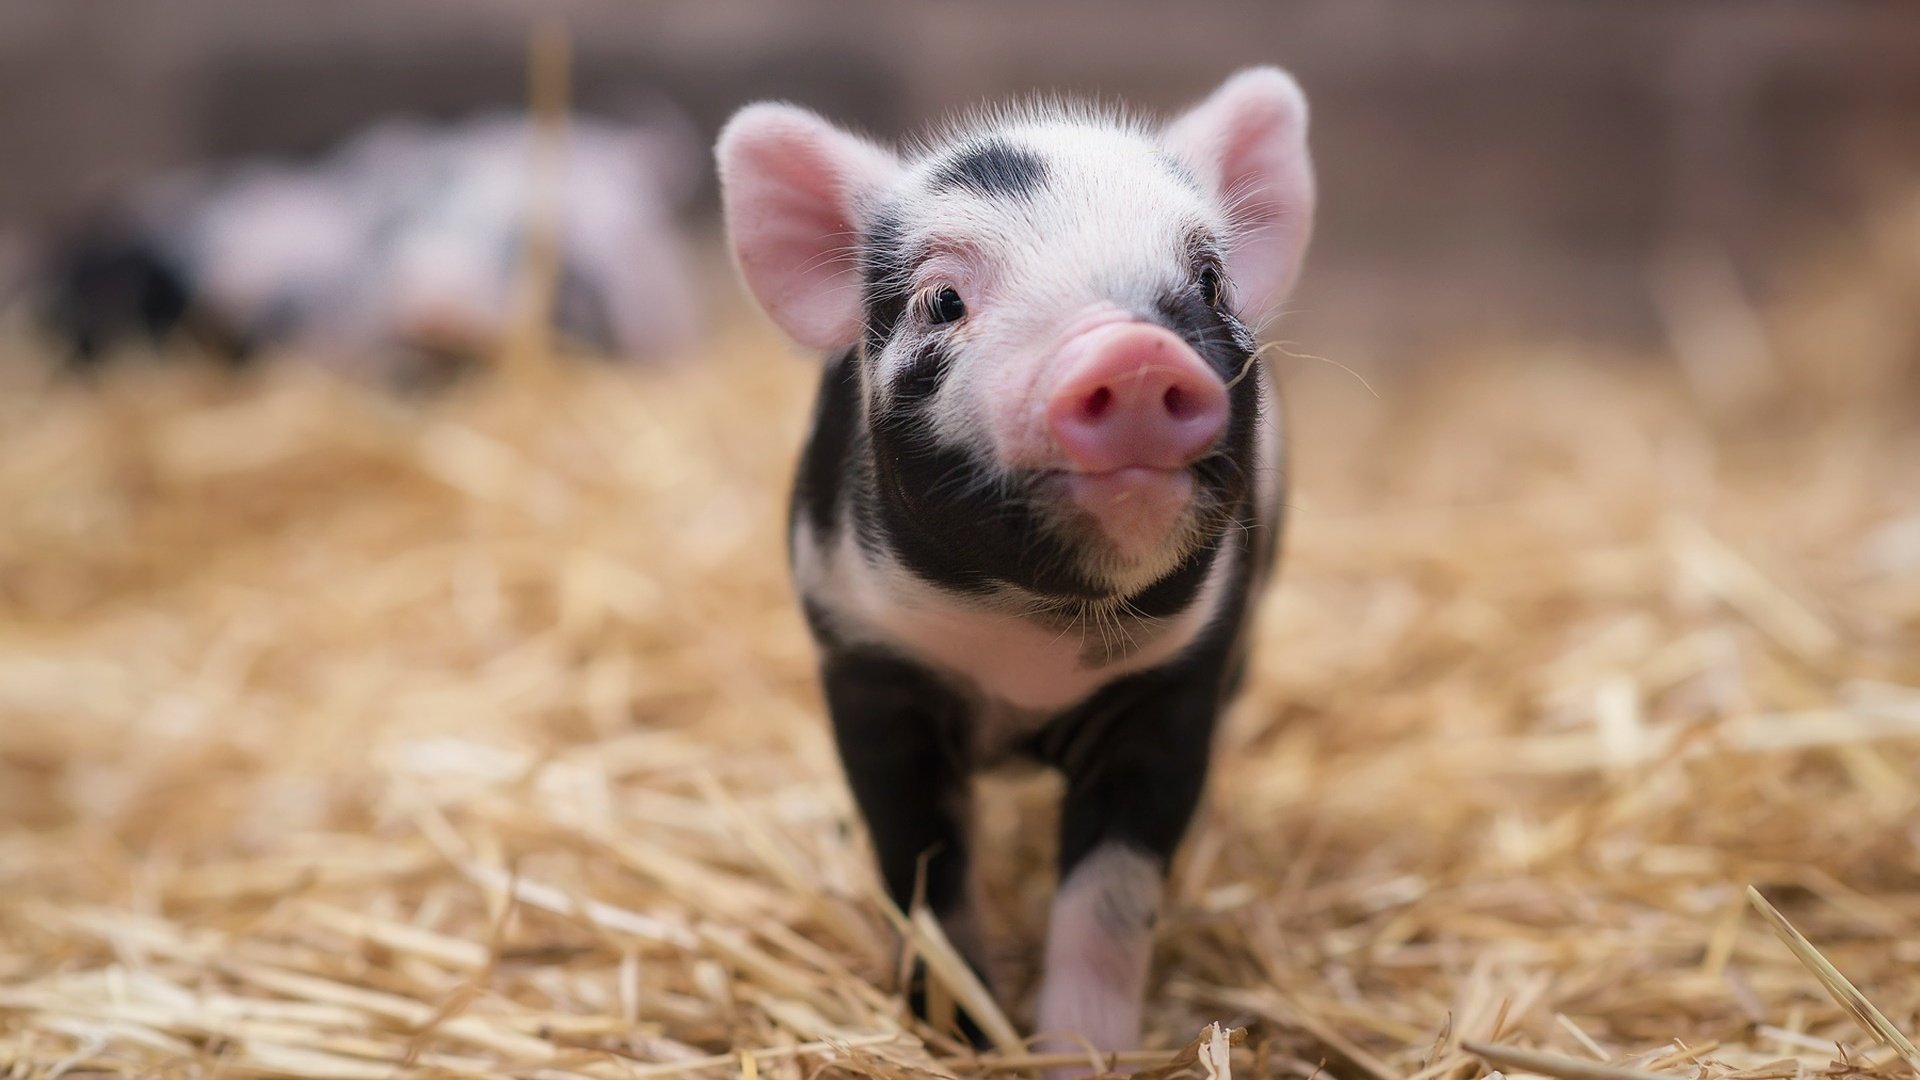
(1487, 165)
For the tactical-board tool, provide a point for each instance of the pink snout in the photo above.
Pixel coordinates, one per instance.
(1134, 396)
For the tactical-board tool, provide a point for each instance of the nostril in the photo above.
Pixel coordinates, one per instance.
(1177, 404)
(1098, 403)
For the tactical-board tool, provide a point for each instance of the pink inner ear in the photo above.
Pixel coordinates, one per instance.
(790, 181)
(1249, 138)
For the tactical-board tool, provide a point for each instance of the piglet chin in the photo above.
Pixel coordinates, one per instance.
(1137, 508)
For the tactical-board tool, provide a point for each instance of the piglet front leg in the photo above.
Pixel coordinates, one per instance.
(900, 732)
(1131, 790)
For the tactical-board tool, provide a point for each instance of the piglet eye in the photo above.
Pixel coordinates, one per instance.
(1212, 292)
(944, 305)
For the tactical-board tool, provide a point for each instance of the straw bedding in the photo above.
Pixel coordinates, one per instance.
(347, 735)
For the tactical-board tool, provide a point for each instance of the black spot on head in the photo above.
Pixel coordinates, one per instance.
(1179, 168)
(993, 168)
(920, 380)
(1220, 338)
(886, 270)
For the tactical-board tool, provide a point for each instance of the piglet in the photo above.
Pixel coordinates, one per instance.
(407, 242)
(1043, 483)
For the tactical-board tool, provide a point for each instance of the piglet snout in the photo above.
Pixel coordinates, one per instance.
(1134, 395)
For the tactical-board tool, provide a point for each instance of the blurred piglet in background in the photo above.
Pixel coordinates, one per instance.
(400, 255)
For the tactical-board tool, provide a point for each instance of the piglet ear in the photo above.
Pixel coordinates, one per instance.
(792, 187)
(1248, 144)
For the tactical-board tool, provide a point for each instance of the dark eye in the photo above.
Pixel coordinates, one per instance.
(944, 305)
(1211, 292)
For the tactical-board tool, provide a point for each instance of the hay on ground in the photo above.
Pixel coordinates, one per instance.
(352, 737)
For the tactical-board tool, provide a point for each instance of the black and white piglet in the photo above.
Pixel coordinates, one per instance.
(1043, 484)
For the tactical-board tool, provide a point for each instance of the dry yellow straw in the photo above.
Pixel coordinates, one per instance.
(481, 736)
(945, 963)
(1566, 1068)
(1864, 1012)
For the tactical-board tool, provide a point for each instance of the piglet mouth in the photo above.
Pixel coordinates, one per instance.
(1136, 508)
